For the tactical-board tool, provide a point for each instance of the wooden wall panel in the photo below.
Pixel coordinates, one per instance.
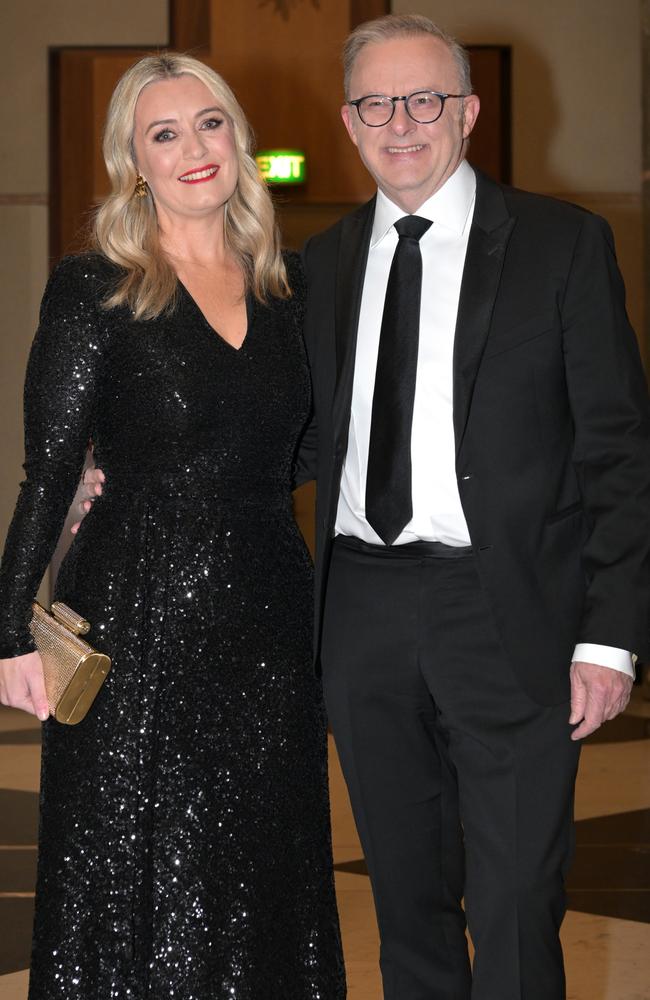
(81, 83)
(189, 25)
(490, 143)
(72, 139)
(286, 72)
(366, 10)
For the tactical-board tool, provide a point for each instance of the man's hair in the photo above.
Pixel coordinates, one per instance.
(402, 26)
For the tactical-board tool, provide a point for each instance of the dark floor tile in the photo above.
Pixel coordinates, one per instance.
(622, 828)
(352, 867)
(18, 870)
(16, 917)
(608, 877)
(631, 905)
(610, 867)
(18, 817)
(622, 729)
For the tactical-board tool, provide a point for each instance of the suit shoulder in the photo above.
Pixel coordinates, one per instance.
(327, 240)
(550, 211)
(553, 224)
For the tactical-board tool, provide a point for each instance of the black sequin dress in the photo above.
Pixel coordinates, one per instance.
(185, 848)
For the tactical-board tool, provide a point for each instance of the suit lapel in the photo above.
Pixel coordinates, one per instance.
(491, 229)
(353, 254)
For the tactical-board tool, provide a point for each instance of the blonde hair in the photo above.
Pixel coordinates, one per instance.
(126, 227)
(383, 29)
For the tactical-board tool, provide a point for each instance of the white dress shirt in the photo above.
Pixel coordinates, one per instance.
(437, 511)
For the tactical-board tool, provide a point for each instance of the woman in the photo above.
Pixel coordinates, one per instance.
(185, 847)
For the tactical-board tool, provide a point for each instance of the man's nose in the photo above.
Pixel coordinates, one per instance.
(401, 122)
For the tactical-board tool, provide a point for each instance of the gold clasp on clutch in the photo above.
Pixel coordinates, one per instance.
(66, 616)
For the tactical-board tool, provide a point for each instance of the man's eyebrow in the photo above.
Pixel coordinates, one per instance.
(170, 121)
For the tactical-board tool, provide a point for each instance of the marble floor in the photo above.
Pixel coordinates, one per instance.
(607, 930)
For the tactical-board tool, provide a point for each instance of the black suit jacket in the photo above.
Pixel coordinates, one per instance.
(550, 419)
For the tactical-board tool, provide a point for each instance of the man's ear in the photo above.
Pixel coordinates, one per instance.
(349, 115)
(471, 108)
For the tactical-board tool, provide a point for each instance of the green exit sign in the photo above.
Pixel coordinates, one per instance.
(281, 166)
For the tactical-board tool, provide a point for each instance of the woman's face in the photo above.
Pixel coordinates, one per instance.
(185, 149)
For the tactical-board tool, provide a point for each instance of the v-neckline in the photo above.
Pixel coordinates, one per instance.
(250, 310)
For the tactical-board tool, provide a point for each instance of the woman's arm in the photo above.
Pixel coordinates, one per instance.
(61, 390)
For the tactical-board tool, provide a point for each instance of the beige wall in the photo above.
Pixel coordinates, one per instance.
(576, 102)
(28, 29)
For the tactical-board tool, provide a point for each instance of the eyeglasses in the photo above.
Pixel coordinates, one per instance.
(423, 106)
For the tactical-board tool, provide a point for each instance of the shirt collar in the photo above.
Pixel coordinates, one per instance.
(450, 207)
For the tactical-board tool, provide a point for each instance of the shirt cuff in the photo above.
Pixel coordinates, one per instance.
(605, 656)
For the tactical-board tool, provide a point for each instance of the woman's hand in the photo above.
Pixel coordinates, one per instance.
(22, 684)
(88, 490)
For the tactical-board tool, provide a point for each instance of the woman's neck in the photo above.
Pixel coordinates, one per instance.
(196, 243)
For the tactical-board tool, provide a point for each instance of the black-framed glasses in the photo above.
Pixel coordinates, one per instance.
(423, 106)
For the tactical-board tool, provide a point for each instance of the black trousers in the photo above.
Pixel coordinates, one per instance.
(461, 785)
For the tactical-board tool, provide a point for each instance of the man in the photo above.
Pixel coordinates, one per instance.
(480, 445)
(457, 618)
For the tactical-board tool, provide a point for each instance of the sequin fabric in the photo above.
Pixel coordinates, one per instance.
(185, 849)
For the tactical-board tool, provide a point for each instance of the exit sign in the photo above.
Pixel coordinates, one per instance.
(281, 166)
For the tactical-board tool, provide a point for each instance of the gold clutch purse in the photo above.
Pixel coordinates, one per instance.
(74, 671)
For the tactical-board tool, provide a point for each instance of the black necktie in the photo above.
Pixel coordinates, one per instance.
(389, 505)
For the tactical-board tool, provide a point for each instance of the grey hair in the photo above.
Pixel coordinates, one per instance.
(382, 29)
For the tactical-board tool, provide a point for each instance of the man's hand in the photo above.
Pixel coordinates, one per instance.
(22, 684)
(598, 694)
(88, 490)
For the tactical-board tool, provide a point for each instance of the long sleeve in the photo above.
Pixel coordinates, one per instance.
(61, 389)
(609, 403)
(307, 453)
(298, 284)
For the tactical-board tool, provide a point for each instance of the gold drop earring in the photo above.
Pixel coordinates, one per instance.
(141, 189)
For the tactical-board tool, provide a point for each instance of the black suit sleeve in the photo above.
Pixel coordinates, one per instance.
(305, 468)
(306, 457)
(609, 403)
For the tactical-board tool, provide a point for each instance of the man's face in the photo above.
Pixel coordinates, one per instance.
(409, 161)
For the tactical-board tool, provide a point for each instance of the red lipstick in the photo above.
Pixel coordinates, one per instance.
(200, 174)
